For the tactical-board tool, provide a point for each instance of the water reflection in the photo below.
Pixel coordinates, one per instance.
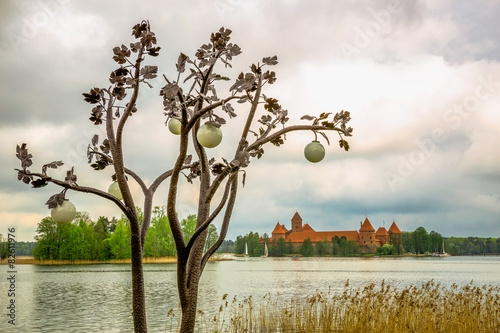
(97, 298)
(69, 297)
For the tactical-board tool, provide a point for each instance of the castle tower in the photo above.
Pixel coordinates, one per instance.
(381, 235)
(366, 234)
(395, 237)
(296, 223)
(394, 229)
(278, 231)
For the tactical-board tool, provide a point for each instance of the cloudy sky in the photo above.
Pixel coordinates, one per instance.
(420, 78)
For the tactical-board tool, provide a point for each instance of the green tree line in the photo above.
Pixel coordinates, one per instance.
(106, 239)
(25, 248)
(421, 241)
(4, 247)
(21, 248)
(472, 245)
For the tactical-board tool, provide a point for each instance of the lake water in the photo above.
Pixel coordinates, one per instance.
(97, 298)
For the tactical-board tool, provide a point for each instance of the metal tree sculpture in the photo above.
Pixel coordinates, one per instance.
(185, 111)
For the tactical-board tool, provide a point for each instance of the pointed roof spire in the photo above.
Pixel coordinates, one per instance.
(278, 229)
(296, 217)
(394, 229)
(366, 226)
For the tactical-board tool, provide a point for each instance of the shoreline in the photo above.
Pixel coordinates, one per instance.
(23, 260)
(26, 260)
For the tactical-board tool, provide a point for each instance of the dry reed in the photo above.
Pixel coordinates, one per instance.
(371, 308)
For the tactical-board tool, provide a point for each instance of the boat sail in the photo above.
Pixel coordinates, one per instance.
(265, 251)
(246, 250)
(443, 252)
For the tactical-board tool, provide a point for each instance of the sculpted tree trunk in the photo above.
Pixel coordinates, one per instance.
(138, 293)
(186, 109)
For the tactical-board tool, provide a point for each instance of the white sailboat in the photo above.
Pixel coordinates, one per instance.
(246, 250)
(265, 251)
(443, 252)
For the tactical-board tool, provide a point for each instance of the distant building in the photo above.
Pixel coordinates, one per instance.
(367, 238)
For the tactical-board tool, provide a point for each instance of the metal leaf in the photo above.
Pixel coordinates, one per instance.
(307, 117)
(55, 200)
(70, 176)
(52, 165)
(325, 136)
(271, 61)
(244, 178)
(40, 182)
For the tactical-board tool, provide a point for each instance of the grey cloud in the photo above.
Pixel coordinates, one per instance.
(480, 22)
(489, 177)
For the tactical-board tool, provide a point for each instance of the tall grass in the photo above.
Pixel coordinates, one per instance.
(429, 307)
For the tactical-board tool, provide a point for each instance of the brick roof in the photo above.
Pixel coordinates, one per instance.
(307, 227)
(279, 229)
(366, 226)
(381, 232)
(296, 217)
(394, 229)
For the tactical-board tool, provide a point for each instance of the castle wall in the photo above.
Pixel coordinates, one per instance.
(367, 248)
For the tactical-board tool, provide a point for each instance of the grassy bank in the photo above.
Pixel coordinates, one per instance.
(162, 260)
(426, 308)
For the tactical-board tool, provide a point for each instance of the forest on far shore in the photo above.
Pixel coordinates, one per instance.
(106, 239)
(418, 241)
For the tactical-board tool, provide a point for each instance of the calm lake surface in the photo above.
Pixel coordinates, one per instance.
(97, 298)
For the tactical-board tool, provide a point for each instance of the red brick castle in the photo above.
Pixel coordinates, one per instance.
(367, 238)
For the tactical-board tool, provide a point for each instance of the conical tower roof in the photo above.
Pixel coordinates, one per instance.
(296, 217)
(381, 232)
(278, 229)
(366, 226)
(394, 229)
